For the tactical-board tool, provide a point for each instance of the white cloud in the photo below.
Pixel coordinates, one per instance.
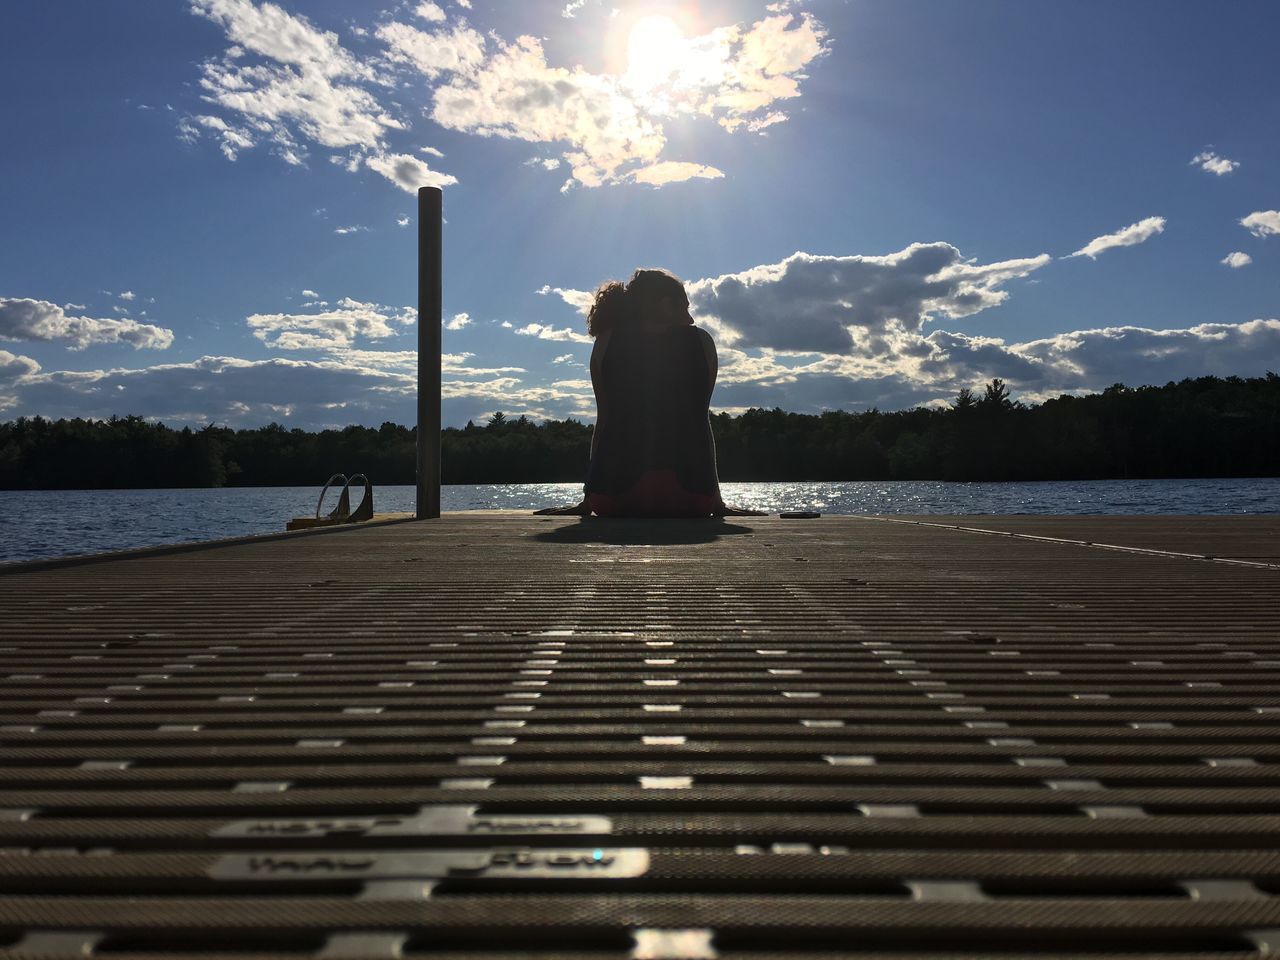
(765, 66)
(610, 125)
(407, 172)
(1262, 223)
(1092, 359)
(370, 386)
(510, 395)
(226, 390)
(402, 221)
(674, 171)
(580, 300)
(330, 329)
(1210, 162)
(838, 305)
(404, 361)
(548, 332)
(563, 358)
(310, 294)
(268, 30)
(352, 385)
(518, 95)
(286, 83)
(917, 369)
(14, 367)
(768, 120)
(39, 320)
(231, 139)
(454, 364)
(433, 53)
(813, 333)
(1131, 235)
(281, 78)
(428, 11)
(355, 228)
(1236, 260)
(128, 295)
(349, 383)
(571, 8)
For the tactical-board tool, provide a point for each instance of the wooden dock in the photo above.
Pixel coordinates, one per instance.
(506, 736)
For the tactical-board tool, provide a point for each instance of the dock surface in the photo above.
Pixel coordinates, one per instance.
(507, 736)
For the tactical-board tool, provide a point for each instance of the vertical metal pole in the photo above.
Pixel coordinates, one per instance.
(430, 217)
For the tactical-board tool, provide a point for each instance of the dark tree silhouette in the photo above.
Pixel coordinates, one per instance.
(996, 396)
(1204, 427)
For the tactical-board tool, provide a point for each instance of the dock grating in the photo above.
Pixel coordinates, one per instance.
(505, 736)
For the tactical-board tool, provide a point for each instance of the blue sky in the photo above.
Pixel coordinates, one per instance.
(208, 206)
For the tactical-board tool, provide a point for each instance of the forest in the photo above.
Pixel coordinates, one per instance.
(1204, 427)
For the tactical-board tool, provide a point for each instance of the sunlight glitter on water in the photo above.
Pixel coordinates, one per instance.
(49, 523)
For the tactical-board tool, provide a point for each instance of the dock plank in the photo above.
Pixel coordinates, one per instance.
(507, 735)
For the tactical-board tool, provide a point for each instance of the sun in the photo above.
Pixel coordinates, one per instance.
(654, 51)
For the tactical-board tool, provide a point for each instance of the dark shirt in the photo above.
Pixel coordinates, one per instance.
(655, 390)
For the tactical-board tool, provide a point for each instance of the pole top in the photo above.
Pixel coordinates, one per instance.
(428, 191)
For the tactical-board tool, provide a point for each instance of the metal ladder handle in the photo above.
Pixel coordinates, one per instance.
(365, 510)
(344, 503)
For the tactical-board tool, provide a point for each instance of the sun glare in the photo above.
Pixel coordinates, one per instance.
(654, 51)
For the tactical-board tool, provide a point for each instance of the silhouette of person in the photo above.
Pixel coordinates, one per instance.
(653, 371)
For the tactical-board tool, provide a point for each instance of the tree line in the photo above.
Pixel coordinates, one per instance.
(1204, 427)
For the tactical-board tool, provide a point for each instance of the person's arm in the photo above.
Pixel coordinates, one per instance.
(713, 369)
(713, 362)
(597, 386)
(581, 509)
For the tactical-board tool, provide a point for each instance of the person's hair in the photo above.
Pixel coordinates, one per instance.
(616, 303)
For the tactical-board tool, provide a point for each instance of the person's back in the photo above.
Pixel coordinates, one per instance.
(653, 371)
(655, 453)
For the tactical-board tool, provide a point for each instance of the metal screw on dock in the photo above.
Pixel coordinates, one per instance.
(430, 242)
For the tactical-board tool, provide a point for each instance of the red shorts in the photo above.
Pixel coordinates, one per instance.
(656, 494)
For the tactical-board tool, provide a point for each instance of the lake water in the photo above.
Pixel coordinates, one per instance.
(50, 523)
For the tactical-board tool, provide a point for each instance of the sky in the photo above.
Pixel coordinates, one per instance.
(208, 207)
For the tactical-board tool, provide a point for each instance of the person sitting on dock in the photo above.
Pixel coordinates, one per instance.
(653, 371)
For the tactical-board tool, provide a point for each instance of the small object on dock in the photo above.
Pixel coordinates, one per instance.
(800, 515)
(342, 513)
